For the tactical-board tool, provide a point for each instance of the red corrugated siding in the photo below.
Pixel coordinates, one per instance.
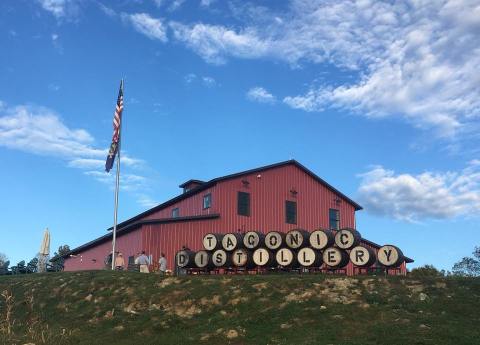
(192, 206)
(268, 195)
(169, 238)
(128, 244)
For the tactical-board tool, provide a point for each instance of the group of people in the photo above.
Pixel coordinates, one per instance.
(143, 261)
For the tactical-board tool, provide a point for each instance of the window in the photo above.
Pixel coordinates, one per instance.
(290, 212)
(334, 219)
(243, 204)
(207, 201)
(175, 212)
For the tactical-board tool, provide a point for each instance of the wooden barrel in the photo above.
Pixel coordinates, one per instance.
(212, 241)
(264, 258)
(274, 239)
(242, 258)
(347, 238)
(232, 241)
(285, 257)
(308, 257)
(390, 256)
(253, 239)
(362, 256)
(221, 258)
(335, 257)
(203, 259)
(185, 259)
(297, 238)
(321, 239)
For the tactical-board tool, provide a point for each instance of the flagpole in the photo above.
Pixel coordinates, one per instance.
(117, 187)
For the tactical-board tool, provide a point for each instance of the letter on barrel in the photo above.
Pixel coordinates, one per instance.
(321, 239)
(390, 256)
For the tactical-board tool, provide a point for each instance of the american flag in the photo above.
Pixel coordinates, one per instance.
(117, 119)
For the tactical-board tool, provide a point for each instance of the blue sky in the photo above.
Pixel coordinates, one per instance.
(379, 99)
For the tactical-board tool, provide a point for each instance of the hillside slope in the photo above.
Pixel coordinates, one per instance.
(133, 308)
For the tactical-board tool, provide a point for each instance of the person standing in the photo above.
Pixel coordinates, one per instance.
(119, 262)
(143, 261)
(162, 263)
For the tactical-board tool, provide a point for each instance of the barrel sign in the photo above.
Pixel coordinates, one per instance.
(390, 256)
(253, 239)
(212, 241)
(293, 250)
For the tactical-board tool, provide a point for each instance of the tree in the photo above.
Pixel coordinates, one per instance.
(468, 266)
(62, 250)
(3, 259)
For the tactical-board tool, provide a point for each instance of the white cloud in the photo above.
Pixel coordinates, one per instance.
(60, 8)
(190, 78)
(40, 131)
(151, 27)
(206, 3)
(214, 42)
(429, 195)
(259, 94)
(56, 7)
(417, 60)
(175, 5)
(107, 10)
(146, 201)
(128, 182)
(208, 81)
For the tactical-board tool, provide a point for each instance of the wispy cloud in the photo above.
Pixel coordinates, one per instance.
(429, 195)
(206, 3)
(149, 26)
(416, 60)
(259, 94)
(190, 78)
(146, 201)
(60, 8)
(214, 42)
(205, 80)
(40, 131)
(209, 81)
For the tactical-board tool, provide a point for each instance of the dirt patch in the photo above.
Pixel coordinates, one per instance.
(231, 334)
(238, 300)
(441, 285)
(206, 301)
(168, 281)
(300, 297)
(416, 288)
(186, 309)
(260, 286)
(342, 283)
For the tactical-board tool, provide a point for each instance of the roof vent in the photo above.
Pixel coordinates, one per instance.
(191, 184)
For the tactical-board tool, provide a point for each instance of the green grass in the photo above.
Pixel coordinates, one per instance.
(132, 308)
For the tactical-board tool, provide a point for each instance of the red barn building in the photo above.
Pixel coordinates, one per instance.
(281, 197)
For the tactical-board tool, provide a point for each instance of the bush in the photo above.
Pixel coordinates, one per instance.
(427, 271)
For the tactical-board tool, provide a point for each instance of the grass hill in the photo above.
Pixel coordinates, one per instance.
(132, 308)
